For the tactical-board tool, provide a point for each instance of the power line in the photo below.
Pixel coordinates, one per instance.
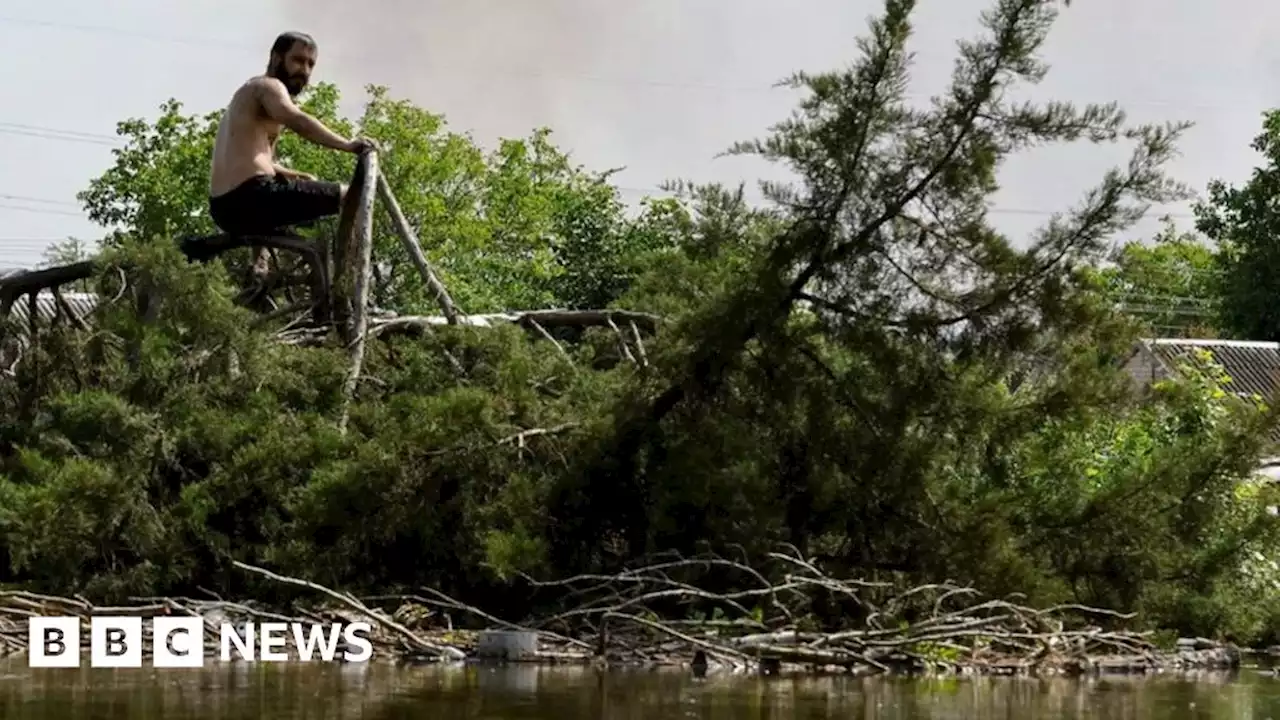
(44, 128)
(6, 246)
(45, 201)
(43, 136)
(41, 211)
(10, 128)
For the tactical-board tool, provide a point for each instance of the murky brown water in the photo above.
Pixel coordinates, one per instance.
(381, 692)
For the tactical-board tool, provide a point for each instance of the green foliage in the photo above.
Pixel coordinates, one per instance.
(1156, 489)
(159, 184)
(867, 370)
(1243, 221)
(146, 460)
(889, 362)
(1173, 284)
(518, 227)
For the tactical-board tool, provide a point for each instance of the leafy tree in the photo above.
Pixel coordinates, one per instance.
(68, 251)
(516, 228)
(1172, 284)
(1083, 477)
(71, 250)
(880, 368)
(1244, 223)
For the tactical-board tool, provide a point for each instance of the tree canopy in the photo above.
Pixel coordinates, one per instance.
(865, 369)
(1172, 283)
(518, 227)
(1242, 221)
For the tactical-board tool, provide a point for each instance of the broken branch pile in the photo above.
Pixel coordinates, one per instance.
(786, 613)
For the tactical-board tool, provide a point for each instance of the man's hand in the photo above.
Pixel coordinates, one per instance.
(295, 174)
(362, 145)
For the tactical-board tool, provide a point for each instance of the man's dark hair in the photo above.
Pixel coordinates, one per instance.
(285, 42)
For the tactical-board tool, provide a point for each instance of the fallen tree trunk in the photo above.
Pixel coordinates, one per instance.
(13, 287)
(535, 320)
(526, 318)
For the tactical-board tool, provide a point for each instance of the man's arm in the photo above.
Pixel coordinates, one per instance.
(281, 108)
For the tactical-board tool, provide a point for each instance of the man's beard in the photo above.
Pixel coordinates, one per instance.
(292, 83)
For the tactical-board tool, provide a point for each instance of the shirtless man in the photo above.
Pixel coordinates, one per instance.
(248, 192)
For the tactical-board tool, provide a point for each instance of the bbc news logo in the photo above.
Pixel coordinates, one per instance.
(179, 642)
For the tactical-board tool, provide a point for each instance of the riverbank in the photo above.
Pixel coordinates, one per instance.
(644, 618)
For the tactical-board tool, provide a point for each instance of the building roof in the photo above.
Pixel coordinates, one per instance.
(46, 304)
(1254, 367)
(47, 308)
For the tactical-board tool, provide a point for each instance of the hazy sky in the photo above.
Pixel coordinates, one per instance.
(657, 86)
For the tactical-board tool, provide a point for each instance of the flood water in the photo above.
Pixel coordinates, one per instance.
(383, 692)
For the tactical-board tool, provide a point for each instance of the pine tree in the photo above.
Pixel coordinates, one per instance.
(889, 285)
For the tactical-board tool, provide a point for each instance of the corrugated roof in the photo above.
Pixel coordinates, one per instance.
(1254, 367)
(47, 308)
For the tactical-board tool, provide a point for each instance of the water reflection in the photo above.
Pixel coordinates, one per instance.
(383, 692)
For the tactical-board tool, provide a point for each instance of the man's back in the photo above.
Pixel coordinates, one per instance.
(245, 145)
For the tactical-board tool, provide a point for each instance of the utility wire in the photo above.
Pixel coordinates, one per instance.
(36, 131)
(45, 201)
(41, 211)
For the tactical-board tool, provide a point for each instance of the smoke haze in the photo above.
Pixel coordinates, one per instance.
(662, 86)
(658, 86)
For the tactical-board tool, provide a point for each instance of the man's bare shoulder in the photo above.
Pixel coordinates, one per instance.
(265, 81)
(260, 97)
(262, 85)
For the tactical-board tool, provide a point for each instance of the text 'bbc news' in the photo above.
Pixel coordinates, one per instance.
(179, 642)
